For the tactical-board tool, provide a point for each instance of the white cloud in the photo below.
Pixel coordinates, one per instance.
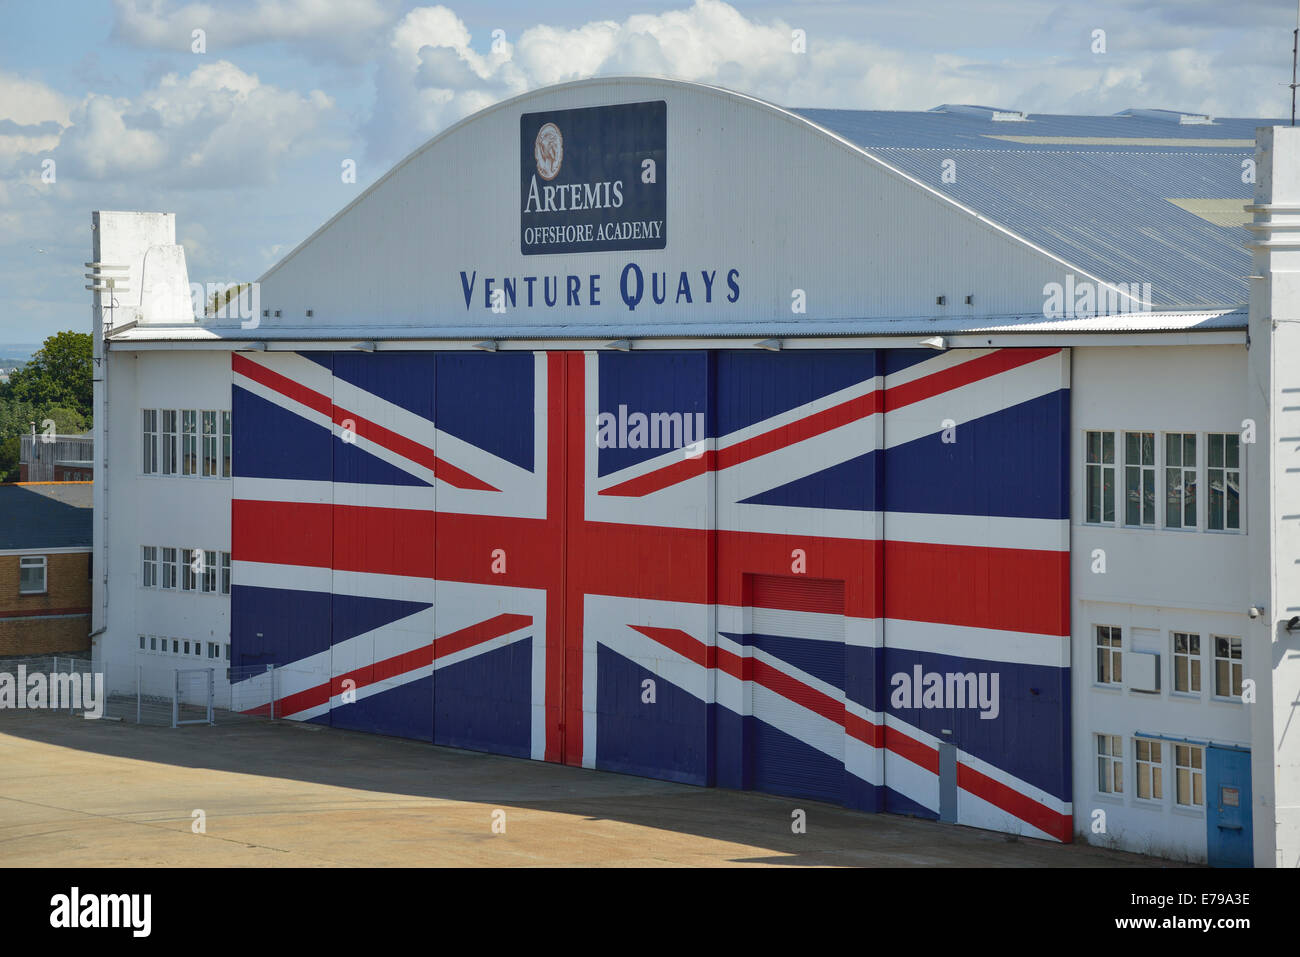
(432, 75)
(32, 116)
(216, 126)
(347, 27)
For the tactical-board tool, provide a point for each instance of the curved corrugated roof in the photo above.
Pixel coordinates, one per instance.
(1105, 193)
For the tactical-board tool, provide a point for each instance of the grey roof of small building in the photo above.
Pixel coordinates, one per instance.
(54, 515)
(1142, 196)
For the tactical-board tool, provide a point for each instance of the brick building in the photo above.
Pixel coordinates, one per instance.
(45, 560)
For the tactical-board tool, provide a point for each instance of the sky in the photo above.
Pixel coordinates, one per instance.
(238, 115)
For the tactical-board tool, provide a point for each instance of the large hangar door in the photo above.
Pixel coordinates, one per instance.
(496, 553)
(382, 570)
(797, 639)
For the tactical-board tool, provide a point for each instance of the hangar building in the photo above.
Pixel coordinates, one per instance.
(932, 463)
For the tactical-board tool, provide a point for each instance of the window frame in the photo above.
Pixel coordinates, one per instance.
(148, 566)
(168, 569)
(209, 443)
(1194, 471)
(208, 583)
(148, 441)
(1195, 775)
(1196, 658)
(26, 562)
(1104, 470)
(1154, 765)
(189, 577)
(1110, 765)
(226, 572)
(167, 440)
(189, 443)
(227, 447)
(1114, 652)
(1236, 665)
(1144, 472)
(1226, 470)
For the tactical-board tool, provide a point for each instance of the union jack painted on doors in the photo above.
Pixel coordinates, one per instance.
(529, 554)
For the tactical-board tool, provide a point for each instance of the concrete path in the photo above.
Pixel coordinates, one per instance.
(82, 793)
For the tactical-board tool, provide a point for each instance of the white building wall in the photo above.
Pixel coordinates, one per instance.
(162, 510)
(1156, 581)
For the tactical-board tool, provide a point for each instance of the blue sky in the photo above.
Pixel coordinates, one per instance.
(244, 140)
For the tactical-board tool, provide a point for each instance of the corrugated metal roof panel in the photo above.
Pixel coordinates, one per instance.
(1104, 208)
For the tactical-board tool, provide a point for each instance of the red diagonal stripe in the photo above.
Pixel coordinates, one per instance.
(281, 384)
(894, 397)
(396, 665)
(751, 448)
(412, 450)
(966, 373)
(400, 444)
(1060, 826)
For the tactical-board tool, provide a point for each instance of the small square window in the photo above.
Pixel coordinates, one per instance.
(32, 575)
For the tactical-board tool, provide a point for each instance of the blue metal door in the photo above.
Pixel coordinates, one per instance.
(1227, 807)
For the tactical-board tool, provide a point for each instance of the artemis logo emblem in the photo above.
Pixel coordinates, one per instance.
(548, 149)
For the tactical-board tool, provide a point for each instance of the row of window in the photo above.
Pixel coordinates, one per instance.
(200, 446)
(1143, 462)
(1186, 655)
(161, 644)
(1149, 756)
(186, 569)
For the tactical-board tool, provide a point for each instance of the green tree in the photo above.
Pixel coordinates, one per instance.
(9, 459)
(59, 375)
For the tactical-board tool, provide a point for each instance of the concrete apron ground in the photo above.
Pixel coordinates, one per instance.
(77, 793)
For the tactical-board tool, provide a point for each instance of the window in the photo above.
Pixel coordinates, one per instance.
(209, 583)
(1189, 773)
(1227, 666)
(1187, 663)
(149, 463)
(142, 642)
(1140, 478)
(1110, 764)
(225, 573)
(1180, 480)
(225, 443)
(1223, 476)
(153, 642)
(227, 652)
(168, 441)
(176, 646)
(1149, 762)
(209, 444)
(1109, 654)
(192, 559)
(169, 568)
(149, 569)
(1100, 479)
(189, 442)
(31, 575)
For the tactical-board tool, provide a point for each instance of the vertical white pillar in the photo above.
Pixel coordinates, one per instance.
(1273, 497)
